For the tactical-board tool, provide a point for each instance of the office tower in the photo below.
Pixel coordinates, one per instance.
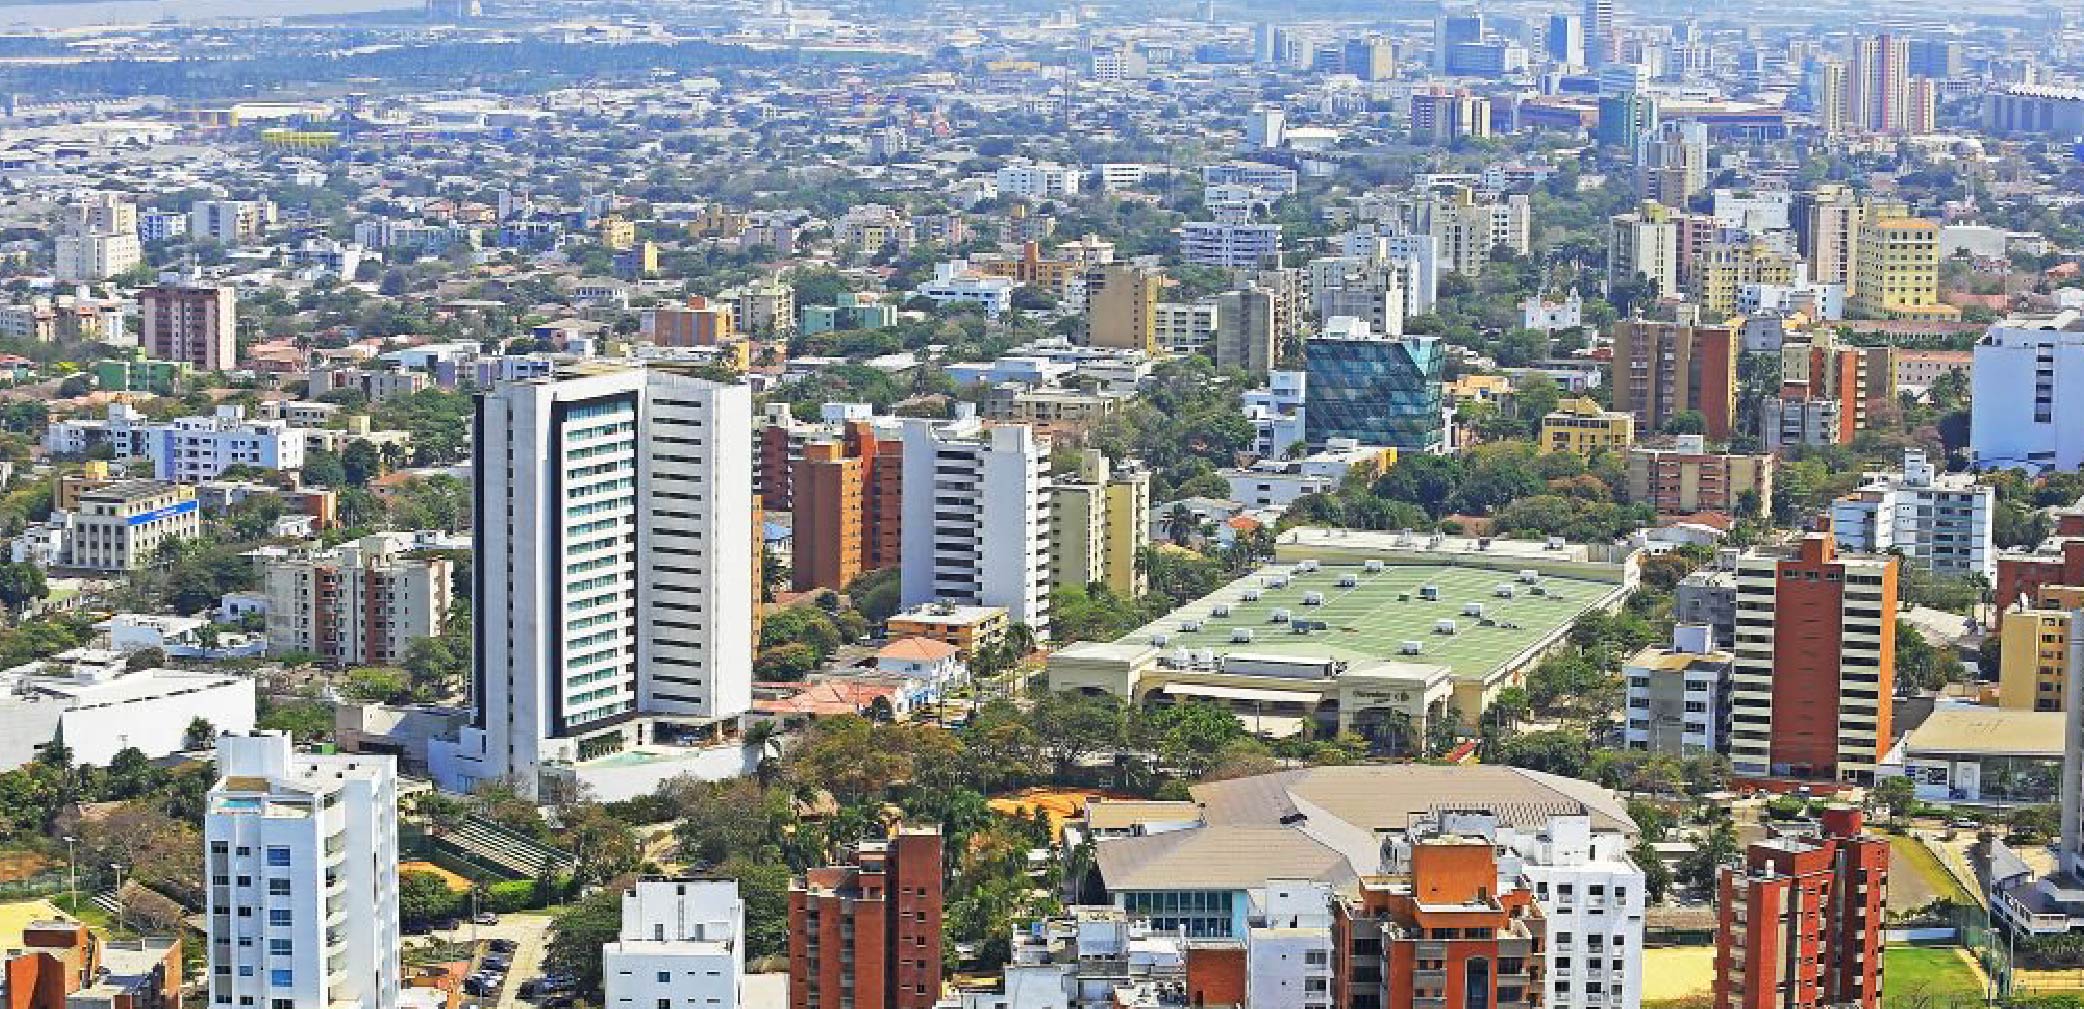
(1378, 391)
(1600, 41)
(1936, 58)
(1121, 302)
(1938, 522)
(1800, 923)
(1644, 244)
(1491, 57)
(1440, 116)
(1879, 79)
(2028, 387)
(1373, 58)
(1264, 43)
(1897, 271)
(867, 932)
(1450, 31)
(1264, 128)
(846, 519)
(302, 864)
(358, 604)
(1625, 118)
(976, 517)
(1664, 369)
(1386, 949)
(192, 324)
(1565, 41)
(98, 239)
(682, 942)
(615, 533)
(1672, 165)
(1099, 525)
(1816, 663)
(1248, 327)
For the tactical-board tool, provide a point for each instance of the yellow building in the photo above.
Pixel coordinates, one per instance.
(1897, 273)
(1099, 526)
(1122, 306)
(1580, 427)
(1724, 269)
(300, 140)
(618, 233)
(2035, 647)
(647, 259)
(1477, 388)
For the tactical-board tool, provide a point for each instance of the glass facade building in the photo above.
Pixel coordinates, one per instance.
(1374, 390)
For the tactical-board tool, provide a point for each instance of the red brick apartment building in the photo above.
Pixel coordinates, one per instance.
(847, 507)
(1801, 921)
(1442, 937)
(2059, 561)
(867, 934)
(63, 965)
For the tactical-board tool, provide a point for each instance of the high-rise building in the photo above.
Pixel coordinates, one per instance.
(1369, 289)
(1663, 369)
(1861, 380)
(1879, 80)
(1468, 228)
(1388, 949)
(615, 533)
(1921, 106)
(1816, 663)
(1645, 243)
(1378, 391)
(301, 862)
(2028, 388)
(1898, 270)
(192, 324)
(847, 516)
(1121, 306)
(360, 603)
(230, 221)
(976, 517)
(1935, 58)
(1672, 164)
(1827, 232)
(682, 942)
(1099, 525)
(1253, 321)
(1723, 270)
(1830, 94)
(1938, 522)
(867, 932)
(1800, 922)
(1565, 39)
(1601, 43)
(1626, 117)
(98, 239)
(1441, 116)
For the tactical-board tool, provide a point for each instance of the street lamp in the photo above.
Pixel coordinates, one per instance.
(72, 872)
(118, 867)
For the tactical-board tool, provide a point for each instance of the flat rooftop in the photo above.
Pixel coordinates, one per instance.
(1370, 620)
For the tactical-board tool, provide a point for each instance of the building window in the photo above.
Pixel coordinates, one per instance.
(281, 978)
(278, 856)
(280, 917)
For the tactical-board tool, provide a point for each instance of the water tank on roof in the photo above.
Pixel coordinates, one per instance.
(1472, 609)
(1443, 627)
(1412, 648)
(1313, 599)
(1240, 635)
(1348, 582)
(1219, 610)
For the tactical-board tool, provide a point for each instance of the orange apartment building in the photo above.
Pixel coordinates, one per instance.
(1862, 380)
(847, 508)
(696, 324)
(1800, 923)
(1444, 936)
(2058, 562)
(1663, 369)
(1057, 277)
(867, 934)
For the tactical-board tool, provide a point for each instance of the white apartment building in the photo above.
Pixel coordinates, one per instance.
(2028, 389)
(1677, 697)
(1186, 327)
(361, 603)
(1276, 413)
(1039, 181)
(955, 282)
(1276, 180)
(1645, 243)
(195, 449)
(1372, 290)
(1288, 945)
(230, 221)
(1216, 243)
(615, 533)
(1417, 255)
(1939, 521)
(301, 861)
(90, 258)
(977, 517)
(160, 225)
(682, 943)
(1785, 422)
(1468, 228)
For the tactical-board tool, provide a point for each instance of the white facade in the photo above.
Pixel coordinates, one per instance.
(1677, 698)
(1288, 946)
(1039, 182)
(976, 517)
(230, 221)
(1939, 521)
(2028, 388)
(1276, 414)
(101, 707)
(301, 861)
(682, 944)
(955, 283)
(1215, 243)
(195, 449)
(615, 532)
(86, 258)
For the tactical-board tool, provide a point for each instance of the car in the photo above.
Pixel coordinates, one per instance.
(1965, 823)
(503, 945)
(486, 918)
(528, 989)
(558, 1001)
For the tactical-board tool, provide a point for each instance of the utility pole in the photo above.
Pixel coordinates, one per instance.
(119, 892)
(72, 873)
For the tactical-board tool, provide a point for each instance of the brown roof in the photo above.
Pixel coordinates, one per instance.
(916, 649)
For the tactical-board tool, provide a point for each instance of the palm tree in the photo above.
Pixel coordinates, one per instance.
(1020, 641)
(1180, 524)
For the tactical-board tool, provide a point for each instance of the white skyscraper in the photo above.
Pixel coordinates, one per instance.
(615, 568)
(976, 517)
(302, 866)
(2027, 410)
(1941, 522)
(682, 943)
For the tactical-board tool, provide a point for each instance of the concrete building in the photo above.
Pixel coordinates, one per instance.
(1377, 391)
(854, 310)
(1662, 369)
(1645, 243)
(230, 221)
(2027, 395)
(977, 517)
(1580, 427)
(194, 449)
(1816, 664)
(616, 527)
(846, 515)
(1121, 304)
(1237, 246)
(1940, 522)
(100, 706)
(867, 932)
(1973, 753)
(1385, 950)
(1800, 922)
(1898, 272)
(1097, 529)
(699, 323)
(1440, 116)
(98, 239)
(118, 527)
(2034, 659)
(194, 325)
(362, 603)
(682, 942)
(1467, 227)
(301, 861)
(1678, 696)
(63, 964)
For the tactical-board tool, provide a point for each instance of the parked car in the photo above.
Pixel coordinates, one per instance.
(503, 945)
(486, 918)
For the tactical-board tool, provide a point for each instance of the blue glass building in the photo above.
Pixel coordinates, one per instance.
(1374, 390)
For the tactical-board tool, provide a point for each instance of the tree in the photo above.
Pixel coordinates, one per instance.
(360, 463)
(200, 734)
(20, 585)
(424, 898)
(1686, 422)
(1657, 877)
(581, 931)
(438, 665)
(1896, 793)
(1717, 848)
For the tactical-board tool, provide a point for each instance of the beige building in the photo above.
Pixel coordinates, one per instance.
(1898, 272)
(120, 526)
(1122, 306)
(1098, 525)
(361, 603)
(1682, 477)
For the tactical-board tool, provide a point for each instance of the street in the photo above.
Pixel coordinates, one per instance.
(531, 936)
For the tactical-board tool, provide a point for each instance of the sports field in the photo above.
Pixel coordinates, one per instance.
(1372, 618)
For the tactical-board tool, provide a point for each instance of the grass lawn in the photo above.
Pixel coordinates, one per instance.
(1677, 973)
(1916, 876)
(1924, 976)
